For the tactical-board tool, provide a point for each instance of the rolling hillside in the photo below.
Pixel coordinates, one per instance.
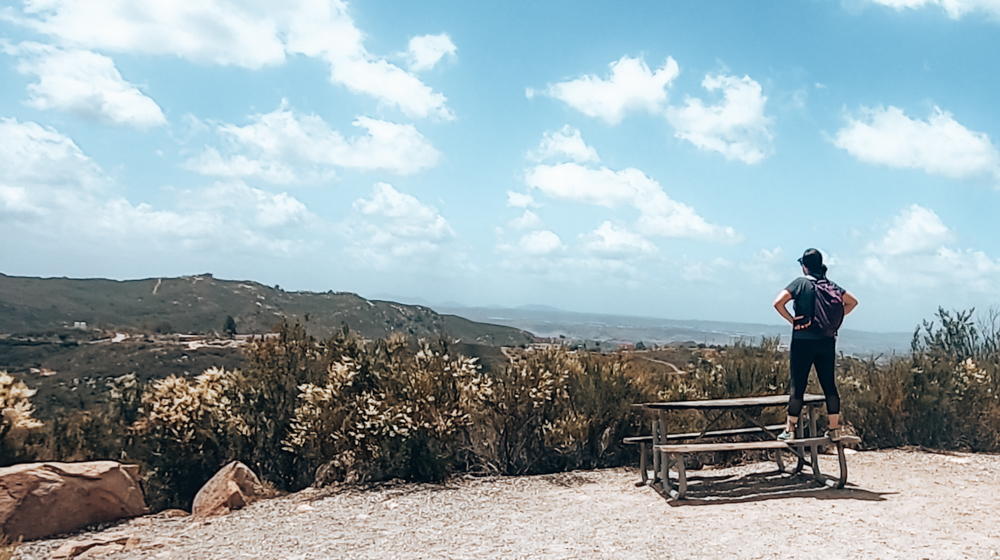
(201, 304)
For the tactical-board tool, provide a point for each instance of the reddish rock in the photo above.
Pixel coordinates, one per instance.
(42, 499)
(231, 488)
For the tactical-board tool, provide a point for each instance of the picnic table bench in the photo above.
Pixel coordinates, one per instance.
(668, 450)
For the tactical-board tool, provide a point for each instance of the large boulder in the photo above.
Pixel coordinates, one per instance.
(233, 487)
(42, 499)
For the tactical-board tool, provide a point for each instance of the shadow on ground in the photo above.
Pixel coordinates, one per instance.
(706, 490)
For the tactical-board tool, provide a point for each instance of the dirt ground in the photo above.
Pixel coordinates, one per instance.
(906, 504)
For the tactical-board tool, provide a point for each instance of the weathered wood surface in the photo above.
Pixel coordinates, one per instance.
(742, 402)
(716, 433)
(749, 445)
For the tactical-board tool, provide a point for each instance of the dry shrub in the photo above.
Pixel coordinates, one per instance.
(15, 407)
(518, 426)
(264, 394)
(8, 548)
(876, 399)
(599, 414)
(387, 411)
(187, 428)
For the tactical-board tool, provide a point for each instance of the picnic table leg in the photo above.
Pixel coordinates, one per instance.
(842, 459)
(664, 457)
(682, 485)
(656, 454)
(814, 449)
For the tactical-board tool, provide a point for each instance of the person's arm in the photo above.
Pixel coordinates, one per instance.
(850, 302)
(779, 304)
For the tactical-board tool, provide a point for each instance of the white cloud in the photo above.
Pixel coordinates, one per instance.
(267, 210)
(50, 188)
(767, 266)
(632, 86)
(915, 230)
(36, 158)
(210, 162)
(527, 220)
(278, 145)
(954, 8)
(611, 242)
(736, 128)
(916, 258)
(939, 145)
(426, 51)
(541, 243)
(85, 84)
(228, 32)
(659, 214)
(520, 200)
(564, 143)
(392, 225)
(715, 271)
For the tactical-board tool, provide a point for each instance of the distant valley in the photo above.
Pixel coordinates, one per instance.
(613, 329)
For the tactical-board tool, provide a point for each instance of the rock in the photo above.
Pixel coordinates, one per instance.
(233, 487)
(42, 499)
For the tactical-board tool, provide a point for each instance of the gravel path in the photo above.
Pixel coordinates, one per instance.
(900, 504)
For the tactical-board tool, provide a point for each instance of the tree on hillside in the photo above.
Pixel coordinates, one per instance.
(230, 326)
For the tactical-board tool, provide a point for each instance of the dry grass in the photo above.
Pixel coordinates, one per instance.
(8, 548)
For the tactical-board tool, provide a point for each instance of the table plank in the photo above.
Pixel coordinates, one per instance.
(748, 445)
(743, 402)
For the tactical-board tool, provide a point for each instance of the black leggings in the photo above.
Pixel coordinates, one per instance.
(804, 354)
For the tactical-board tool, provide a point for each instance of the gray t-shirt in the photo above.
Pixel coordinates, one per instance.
(804, 295)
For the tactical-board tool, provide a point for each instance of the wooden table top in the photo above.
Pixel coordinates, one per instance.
(743, 402)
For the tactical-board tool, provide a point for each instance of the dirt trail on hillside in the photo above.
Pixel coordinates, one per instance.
(899, 504)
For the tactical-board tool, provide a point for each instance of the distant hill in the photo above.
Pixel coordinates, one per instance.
(201, 304)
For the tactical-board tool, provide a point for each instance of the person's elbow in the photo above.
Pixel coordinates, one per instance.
(850, 302)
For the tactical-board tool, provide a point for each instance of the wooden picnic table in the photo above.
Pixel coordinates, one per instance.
(668, 450)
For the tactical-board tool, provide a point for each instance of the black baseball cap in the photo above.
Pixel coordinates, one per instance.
(812, 259)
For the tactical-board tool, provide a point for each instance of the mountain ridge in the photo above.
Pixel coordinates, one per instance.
(201, 304)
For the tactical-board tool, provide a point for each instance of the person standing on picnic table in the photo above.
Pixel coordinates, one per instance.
(820, 307)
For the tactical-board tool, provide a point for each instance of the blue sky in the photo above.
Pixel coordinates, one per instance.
(666, 159)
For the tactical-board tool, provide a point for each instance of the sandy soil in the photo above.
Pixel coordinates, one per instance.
(905, 504)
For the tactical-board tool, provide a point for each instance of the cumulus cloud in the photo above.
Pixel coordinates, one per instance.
(914, 230)
(49, 187)
(659, 215)
(631, 86)
(954, 8)
(527, 220)
(85, 84)
(541, 243)
(736, 127)
(277, 145)
(391, 226)
(918, 252)
(564, 143)
(426, 51)
(767, 265)
(939, 145)
(520, 200)
(228, 32)
(610, 241)
(262, 208)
